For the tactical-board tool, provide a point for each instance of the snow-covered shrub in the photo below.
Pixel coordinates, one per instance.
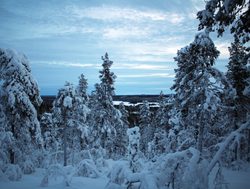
(55, 171)
(102, 166)
(83, 154)
(98, 156)
(27, 167)
(87, 168)
(181, 170)
(3, 160)
(122, 177)
(118, 175)
(39, 159)
(3, 176)
(13, 172)
(238, 165)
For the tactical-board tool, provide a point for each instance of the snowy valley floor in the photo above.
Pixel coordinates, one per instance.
(233, 179)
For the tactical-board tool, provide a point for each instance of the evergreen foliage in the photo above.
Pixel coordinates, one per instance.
(146, 127)
(19, 98)
(197, 96)
(221, 14)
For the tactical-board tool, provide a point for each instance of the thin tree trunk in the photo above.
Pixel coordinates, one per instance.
(12, 156)
(200, 138)
(11, 151)
(65, 146)
(248, 149)
(65, 139)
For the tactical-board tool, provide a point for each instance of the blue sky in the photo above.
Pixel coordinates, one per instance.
(63, 39)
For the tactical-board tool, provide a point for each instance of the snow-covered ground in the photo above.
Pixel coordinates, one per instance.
(237, 179)
(33, 181)
(233, 179)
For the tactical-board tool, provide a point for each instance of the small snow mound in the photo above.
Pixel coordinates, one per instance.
(87, 168)
(13, 172)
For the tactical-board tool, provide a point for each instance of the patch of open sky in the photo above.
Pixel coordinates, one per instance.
(63, 39)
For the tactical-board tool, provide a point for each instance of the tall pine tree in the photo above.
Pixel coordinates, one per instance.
(197, 93)
(105, 119)
(238, 74)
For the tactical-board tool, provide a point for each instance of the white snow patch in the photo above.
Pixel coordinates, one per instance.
(33, 182)
(67, 102)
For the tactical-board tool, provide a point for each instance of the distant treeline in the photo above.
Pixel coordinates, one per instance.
(133, 117)
(133, 99)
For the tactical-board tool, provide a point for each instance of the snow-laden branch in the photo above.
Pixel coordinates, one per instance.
(224, 144)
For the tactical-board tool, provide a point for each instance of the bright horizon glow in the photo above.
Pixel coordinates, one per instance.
(63, 39)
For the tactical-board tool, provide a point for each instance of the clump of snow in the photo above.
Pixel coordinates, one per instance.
(67, 102)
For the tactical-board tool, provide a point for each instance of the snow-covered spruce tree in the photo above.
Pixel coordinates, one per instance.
(220, 14)
(51, 139)
(61, 115)
(124, 115)
(107, 77)
(48, 131)
(145, 125)
(161, 117)
(160, 122)
(19, 97)
(82, 88)
(197, 93)
(238, 74)
(82, 110)
(67, 108)
(105, 119)
(134, 148)
(121, 132)
(94, 119)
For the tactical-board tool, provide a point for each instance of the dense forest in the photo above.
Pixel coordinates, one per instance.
(202, 127)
